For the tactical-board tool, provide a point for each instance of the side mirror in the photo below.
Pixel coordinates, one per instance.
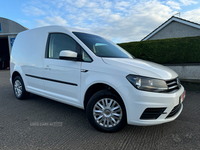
(68, 55)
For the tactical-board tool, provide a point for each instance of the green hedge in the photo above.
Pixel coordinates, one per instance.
(167, 51)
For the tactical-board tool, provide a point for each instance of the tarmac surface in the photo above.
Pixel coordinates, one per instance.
(42, 124)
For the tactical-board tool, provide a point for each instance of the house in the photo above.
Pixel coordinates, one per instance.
(174, 27)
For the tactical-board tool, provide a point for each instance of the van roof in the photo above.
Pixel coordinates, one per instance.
(58, 28)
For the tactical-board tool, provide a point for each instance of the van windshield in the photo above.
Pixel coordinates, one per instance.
(102, 47)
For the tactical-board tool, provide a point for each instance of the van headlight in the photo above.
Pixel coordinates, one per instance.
(147, 84)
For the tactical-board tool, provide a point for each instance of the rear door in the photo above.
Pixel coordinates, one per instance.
(62, 77)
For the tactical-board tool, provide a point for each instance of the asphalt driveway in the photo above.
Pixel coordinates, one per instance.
(42, 124)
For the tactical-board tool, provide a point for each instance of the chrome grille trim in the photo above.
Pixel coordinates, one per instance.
(173, 87)
(173, 84)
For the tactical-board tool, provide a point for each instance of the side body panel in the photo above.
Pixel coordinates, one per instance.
(62, 80)
(27, 54)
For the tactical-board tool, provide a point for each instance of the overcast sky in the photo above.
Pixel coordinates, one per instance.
(117, 20)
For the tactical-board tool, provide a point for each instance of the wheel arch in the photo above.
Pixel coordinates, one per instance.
(98, 87)
(15, 74)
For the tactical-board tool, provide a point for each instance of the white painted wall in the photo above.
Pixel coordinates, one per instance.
(187, 72)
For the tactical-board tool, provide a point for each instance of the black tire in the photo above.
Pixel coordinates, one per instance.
(19, 88)
(111, 120)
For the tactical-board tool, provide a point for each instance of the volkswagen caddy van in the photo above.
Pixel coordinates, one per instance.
(92, 73)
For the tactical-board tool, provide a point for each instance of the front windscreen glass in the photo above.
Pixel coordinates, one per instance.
(102, 47)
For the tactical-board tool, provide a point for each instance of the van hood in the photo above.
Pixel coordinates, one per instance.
(142, 68)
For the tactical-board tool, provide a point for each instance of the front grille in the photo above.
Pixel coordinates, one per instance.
(174, 111)
(173, 84)
(152, 113)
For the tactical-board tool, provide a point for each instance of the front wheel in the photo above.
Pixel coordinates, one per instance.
(19, 89)
(106, 111)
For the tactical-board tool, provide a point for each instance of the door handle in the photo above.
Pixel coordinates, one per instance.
(47, 68)
(83, 70)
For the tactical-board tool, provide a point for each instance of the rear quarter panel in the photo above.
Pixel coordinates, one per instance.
(27, 56)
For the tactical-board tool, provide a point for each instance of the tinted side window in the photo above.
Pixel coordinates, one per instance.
(59, 42)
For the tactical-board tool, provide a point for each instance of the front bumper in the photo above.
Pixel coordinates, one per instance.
(167, 106)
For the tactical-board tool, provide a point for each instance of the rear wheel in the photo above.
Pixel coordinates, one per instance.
(19, 89)
(106, 111)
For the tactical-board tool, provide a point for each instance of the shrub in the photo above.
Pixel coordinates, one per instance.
(166, 51)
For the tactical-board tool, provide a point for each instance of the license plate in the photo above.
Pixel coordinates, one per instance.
(182, 97)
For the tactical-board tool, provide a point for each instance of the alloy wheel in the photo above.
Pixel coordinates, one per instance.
(107, 112)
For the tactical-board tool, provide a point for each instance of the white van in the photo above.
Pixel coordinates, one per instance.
(87, 71)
